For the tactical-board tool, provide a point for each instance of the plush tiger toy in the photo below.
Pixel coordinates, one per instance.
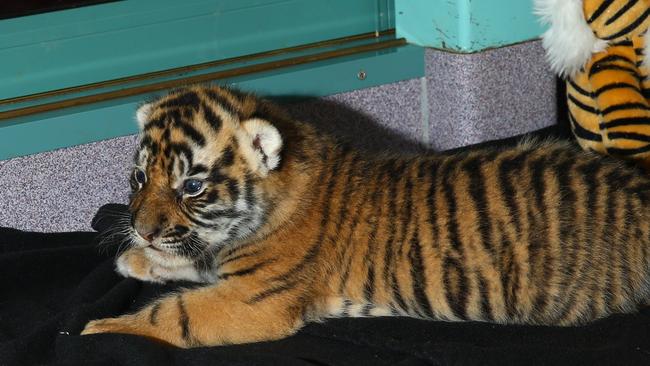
(600, 47)
(284, 226)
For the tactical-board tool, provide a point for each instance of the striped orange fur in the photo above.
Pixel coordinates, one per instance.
(540, 233)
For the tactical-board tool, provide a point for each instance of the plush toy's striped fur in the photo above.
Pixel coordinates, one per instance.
(293, 227)
(608, 89)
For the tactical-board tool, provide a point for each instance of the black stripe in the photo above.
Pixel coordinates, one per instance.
(625, 106)
(344, 204)
(596, 69)
(509, 274)
(240, 256)
(249, 190)
(233, 189)
(477, 190)
(582, 132)
(611, 231)
(181, 148)
(196, 169)
(285, 286)
(632, 121)
(418, 276)
(628, 152)
(191, 132)
(238, 94)
(628, 136)
(511, 167)
(431, 201)
(389, 169)
(448, 182)
(166, 135)
(579, 89)
(486, 308)
(458, 300)
(367, 308)
(612, 58)
(574, 275)
(216, 176)
(369, 285)
(623, 42)
(184, 99)
(354, 223)
(211, 117)
(539, 244)
(626, 241)
(390, 270)
(599, 11)
(146, 141)
(228, 212)
(406, 208)
(614, 86)
(227, 157)
(159, 122)
(184, 321)
(621, 11)
(153, 315)
(347, 303)
(581, 105)
(223, 102)
(246, 271)
(235, 250)
(630, 27)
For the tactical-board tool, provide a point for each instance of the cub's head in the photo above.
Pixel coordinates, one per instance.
(199, 170)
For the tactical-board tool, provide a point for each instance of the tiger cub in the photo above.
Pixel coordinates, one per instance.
(284, 226)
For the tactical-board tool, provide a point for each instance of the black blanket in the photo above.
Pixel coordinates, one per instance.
(52, 284)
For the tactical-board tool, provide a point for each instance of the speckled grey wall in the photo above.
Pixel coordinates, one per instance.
(463, 99)
(489, 95)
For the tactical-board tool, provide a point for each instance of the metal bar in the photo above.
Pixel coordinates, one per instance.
(195, 67)
(245, 70)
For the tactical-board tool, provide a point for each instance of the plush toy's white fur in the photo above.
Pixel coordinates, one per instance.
(569, 42)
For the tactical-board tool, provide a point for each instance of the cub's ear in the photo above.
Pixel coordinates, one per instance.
(142, 115)
(261, 143)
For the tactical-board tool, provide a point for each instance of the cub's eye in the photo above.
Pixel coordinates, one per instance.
(140, 176)
(192, 187)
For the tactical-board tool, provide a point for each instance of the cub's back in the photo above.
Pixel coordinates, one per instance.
(538, 233)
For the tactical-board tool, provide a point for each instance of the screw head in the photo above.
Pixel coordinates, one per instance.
(361, 75)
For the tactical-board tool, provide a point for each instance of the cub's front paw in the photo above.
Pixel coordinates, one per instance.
(134, 263)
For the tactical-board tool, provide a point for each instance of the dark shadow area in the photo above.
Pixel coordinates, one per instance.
(563, 125)
(349, 126)
(14, 9)
(363, 132)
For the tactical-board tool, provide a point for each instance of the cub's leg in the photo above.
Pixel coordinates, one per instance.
(231, 311)
(150, 266)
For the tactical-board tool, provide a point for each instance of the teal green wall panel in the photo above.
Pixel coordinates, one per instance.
(105, 120)
(102, 42)
(466, 25)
